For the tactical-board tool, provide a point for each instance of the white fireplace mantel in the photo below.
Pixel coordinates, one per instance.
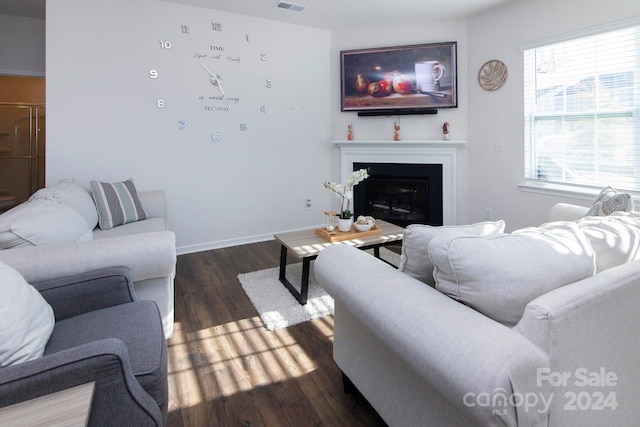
(414, 152)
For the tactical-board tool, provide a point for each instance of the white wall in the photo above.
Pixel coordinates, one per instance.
(103, 122)
(499, 116)
(101, 127)
(421, 127)
(22, 42)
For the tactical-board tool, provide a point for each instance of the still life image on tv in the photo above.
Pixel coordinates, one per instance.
(396, 78)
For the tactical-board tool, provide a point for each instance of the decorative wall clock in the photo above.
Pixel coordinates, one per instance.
(492, 75)
(212, 78)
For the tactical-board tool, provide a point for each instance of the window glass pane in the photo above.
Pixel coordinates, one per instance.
(577, 151)
(582, 102)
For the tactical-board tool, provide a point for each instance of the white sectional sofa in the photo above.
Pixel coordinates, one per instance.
(508, 334)
(56, 233)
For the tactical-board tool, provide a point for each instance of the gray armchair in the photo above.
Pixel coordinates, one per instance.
(102, 334)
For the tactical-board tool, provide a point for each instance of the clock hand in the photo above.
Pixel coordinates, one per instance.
(210, 73)
(217, 82)
(220, 87)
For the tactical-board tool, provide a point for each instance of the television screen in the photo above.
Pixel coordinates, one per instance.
(399, 79)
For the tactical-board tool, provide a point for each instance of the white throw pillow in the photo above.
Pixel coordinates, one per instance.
(609, 201)
(615, 239)
(498, 275)
(26, 319)
(42, 222)
(415, 260)
(67, 192)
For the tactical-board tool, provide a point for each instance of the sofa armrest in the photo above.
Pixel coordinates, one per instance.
(145, 255)
(591, 325)
(454, 348)
(566, 212)
(118, 398)
(153, 203)
(74, 295)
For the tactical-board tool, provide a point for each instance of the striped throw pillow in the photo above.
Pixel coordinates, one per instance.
(117, 203)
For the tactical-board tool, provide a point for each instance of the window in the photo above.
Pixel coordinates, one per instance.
(582, 99)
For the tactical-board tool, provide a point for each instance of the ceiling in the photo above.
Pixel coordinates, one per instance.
(344, 13)
(319, 13)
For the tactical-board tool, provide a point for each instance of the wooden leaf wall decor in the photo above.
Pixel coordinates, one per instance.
(492, 75)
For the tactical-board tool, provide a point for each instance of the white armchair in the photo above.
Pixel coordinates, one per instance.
(146, 248)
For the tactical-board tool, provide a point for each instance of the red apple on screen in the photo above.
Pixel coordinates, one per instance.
(385, 86)
(402, 84)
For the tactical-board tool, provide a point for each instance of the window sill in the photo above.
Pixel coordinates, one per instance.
(559, 190)
(571, 192)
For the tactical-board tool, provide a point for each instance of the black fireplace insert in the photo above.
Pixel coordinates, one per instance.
(400, 193)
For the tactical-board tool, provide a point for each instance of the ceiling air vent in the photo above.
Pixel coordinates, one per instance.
(290, 6)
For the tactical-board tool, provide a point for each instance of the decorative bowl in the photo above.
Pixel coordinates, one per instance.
(363, 227)
(364, 223)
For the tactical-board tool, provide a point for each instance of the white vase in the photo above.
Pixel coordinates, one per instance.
(345, 224)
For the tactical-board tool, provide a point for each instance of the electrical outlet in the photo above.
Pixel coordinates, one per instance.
(499, 146)
(488, 214)
(307, 204)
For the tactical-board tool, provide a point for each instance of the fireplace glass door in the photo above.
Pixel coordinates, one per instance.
(401, 194)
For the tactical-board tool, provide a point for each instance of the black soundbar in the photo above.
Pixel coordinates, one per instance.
(398, 112)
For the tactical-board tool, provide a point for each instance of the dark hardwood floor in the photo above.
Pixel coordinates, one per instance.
(226, 369)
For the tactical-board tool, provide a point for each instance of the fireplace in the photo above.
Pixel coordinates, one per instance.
(441, 190)
(400, 193)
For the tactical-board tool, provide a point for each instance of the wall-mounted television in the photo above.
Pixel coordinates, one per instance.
(416, 79)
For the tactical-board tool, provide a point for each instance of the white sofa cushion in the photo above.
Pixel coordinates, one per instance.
(615, 239)
(67, 192)
(149, 225)
(42, 222)
(26, 319)
(498, 275)
(415, 260)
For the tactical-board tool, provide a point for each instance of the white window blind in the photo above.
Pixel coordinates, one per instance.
(582, 104)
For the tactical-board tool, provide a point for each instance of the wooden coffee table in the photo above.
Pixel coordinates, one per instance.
(306, 245)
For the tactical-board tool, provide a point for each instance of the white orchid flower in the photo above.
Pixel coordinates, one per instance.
(345, 192)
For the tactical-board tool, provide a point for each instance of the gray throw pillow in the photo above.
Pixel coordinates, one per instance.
(117, 203)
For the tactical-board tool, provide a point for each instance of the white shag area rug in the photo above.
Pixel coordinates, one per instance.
(277, 308)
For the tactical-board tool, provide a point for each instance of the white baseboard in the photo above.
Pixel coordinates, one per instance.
(200, 247)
